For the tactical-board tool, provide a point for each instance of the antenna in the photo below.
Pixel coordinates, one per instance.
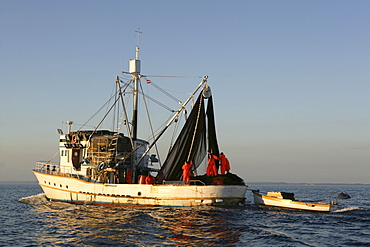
(69, 125)
(138, 43)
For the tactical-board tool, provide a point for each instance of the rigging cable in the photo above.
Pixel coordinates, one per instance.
(150, 122)
(174, 76)
(196, 125)
(156, 101)
(126, 85)
(124, 109)
(163, 91)
(173, 118)
(174, 132)
(96, 127)
(96, 112)
(50, 159)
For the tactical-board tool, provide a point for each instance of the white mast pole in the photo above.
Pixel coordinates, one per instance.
(135, 69)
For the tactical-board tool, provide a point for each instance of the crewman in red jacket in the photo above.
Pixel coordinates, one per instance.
(224, 163)
(212, 168)
(186, 170)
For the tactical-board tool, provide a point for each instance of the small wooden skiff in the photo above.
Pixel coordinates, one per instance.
(287, 200)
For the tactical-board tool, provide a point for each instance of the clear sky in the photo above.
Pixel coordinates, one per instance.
(290, 79)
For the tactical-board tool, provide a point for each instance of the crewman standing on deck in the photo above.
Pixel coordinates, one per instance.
(186, 170)
(224, 163)
(212, 168)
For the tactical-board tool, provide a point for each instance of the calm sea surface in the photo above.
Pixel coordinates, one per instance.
(28, 219)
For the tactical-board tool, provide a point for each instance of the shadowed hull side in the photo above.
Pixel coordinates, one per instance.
(73, 190)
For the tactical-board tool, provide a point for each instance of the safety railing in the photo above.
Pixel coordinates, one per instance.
(47, 167)
(55, 168)
(191, 182)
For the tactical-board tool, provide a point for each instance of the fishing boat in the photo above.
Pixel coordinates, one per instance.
(287, 200)
(115, 168)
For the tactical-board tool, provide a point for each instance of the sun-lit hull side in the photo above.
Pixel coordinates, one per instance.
(287, 203)
(77, 191)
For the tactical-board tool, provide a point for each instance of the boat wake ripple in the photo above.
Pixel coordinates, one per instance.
(41, 200)
(348, 209)
(35, 199)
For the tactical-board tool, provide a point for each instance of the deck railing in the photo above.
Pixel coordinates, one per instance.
(47, 167)
(55, 168)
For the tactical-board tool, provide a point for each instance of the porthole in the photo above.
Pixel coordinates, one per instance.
(49, 183)
(139, 193)
(67, 186)
(44, 181)
(55, 184)
(61, 186)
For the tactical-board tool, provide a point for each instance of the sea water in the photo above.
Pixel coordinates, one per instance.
(29, 219)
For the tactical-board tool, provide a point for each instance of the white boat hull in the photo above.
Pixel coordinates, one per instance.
(73, 190)
(260, 199)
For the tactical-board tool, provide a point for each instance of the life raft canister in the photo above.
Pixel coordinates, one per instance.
(103, 165)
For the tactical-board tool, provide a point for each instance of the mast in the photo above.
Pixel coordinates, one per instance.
(135, 71)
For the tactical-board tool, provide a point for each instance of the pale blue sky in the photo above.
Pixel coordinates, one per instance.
(290, 79)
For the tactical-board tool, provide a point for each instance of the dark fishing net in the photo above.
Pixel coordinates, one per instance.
(227, 179)
(190, 144)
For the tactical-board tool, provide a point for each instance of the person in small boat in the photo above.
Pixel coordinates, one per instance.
(212, 168)
(224, 163)
(186, 170)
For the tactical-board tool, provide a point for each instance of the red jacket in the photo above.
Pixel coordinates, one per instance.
(224, 163)
(212, 168)
(186, 171)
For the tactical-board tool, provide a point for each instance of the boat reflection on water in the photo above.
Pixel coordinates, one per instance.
(199, 226)
(81, 225)
(89, 225)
